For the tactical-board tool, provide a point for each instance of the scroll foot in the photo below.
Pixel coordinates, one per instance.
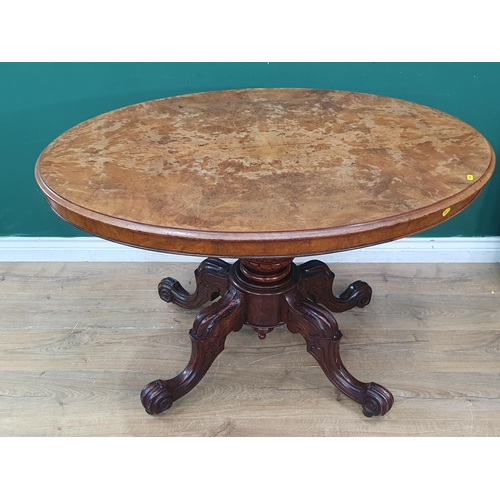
(316, 284)
(212, 278)
(208, 335)
(156, 398)
(377, 400)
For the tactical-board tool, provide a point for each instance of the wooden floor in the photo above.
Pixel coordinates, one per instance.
(78, 341)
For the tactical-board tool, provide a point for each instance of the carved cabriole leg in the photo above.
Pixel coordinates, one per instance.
(211, 281)
(316, 284)
(322, 335)
(209, 332)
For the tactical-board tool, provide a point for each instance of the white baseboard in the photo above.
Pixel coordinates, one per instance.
(91, 249)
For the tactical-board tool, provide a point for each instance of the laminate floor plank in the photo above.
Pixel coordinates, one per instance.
(78, 341)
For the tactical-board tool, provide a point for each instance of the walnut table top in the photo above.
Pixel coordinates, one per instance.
(264, 172)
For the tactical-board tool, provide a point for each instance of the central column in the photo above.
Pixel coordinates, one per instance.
(264, 281)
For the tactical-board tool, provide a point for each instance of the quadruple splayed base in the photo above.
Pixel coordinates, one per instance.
(264, 294)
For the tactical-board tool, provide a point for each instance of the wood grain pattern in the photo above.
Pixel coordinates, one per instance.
(264, 172)
(78, 340)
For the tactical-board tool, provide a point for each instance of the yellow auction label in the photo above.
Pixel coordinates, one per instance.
(446, 212)
(470, 177)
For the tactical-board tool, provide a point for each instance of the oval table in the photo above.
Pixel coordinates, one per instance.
(263, 176)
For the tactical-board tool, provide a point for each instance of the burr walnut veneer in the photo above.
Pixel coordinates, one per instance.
(263, 176)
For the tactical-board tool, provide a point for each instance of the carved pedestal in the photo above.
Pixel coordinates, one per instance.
(264, 294)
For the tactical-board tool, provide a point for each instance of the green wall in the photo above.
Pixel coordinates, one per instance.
(39, 101)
